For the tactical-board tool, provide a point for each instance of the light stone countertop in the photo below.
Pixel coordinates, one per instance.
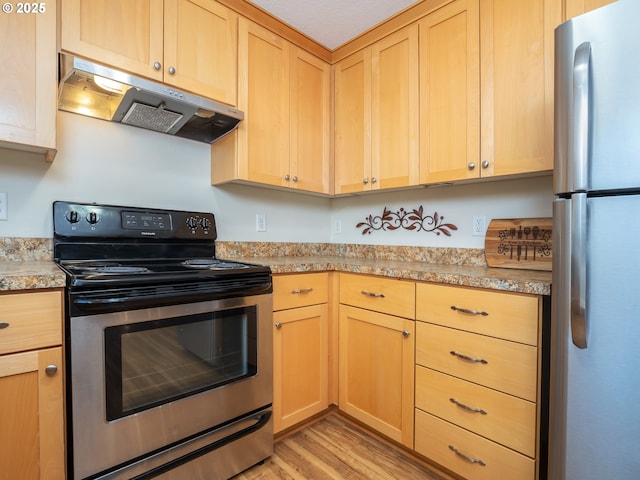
(31, 274)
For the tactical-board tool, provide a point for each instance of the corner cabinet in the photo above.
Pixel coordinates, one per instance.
(190, 44)
(376, 115)
(300, 347)
(376, 353)
(478, 381)
(31, 386)
(29, 81)
(573, 8)
(285, 94)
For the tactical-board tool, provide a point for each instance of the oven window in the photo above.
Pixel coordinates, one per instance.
(152, 363)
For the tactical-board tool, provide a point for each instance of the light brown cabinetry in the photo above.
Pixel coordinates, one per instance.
(497, 120)
(477, 381)
(31, 386)
(376, 115)
(376, 353)
(28, 94)
(300, 346)
(573, 8)
(285, 94)
(190, 44)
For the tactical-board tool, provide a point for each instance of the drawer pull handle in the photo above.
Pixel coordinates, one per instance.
(469, 311)
(3, 325)
(302, 290)
(372, 294)
(467, 407)
(278, 325)
(466, 457)
(468, 358)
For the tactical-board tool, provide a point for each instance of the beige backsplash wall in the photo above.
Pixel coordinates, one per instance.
(108, 163)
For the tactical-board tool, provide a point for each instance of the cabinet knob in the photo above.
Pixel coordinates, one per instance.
(287, 177)
(471, 166)
(365, 180)
(3, 325)
(172, 70)
(406, 333)
(278, 325)
(374, 179)
(485, 164)
(51, 370)
(157, 65)
(295, 179)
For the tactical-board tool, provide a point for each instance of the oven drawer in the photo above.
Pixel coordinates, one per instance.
(300, 290)
(386, 295)
(30, 320)
(467, 454)
(499, 364)
(503, 418)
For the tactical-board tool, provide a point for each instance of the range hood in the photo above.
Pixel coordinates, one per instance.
(97, 91)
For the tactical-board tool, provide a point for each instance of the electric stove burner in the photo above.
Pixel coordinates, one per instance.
(211, 264)
(111, 268)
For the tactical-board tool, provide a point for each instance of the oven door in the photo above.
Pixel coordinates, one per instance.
(143, 380)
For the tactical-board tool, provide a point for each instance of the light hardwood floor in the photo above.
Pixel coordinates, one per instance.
(335, 448)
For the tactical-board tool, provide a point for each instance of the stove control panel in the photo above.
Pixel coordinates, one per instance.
(110, 221)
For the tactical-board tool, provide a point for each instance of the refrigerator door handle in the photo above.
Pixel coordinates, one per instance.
(579, 144)
(579, 323)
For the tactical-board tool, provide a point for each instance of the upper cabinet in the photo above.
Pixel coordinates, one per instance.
(516, 78)
(486, 89)
(190, 44)
(450, 93)
(284, 140)
(376, 115)
(28, 94)
(573, 8)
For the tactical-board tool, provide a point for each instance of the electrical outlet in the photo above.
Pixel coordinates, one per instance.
(337, 226)
(4, 208)
(479, 225)
(261, 222)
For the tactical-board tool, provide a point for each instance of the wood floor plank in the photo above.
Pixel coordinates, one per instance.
(333, 448)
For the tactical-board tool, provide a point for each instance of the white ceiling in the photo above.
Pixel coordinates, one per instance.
(332, 23)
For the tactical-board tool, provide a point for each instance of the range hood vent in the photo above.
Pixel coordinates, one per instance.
(97, 91)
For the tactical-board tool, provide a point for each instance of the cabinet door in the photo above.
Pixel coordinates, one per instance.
(310, 132)
(201, 44)
(263, 95)
(31, 416)
(376, 371)
(517, 85)
(300, 364)
(450, 93)
(28, 94)
(394, 110)
(123, 34)
(352, 156)
(573, 8)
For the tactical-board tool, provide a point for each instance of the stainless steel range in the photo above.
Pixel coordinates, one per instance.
(168, 348)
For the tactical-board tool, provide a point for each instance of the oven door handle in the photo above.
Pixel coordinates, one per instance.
(263, 419)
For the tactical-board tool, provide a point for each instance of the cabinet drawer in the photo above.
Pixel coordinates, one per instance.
(503, 315)
(386, 295)
(299, 290)
(30, 320)
(506, 366)
(439, 441)
(508, 420)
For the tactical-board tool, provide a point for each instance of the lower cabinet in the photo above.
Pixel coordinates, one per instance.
(300, 346)
(376, 354)
(31, 386)
(478, 367)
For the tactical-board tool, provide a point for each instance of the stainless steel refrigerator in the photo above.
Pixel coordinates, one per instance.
(595, 347)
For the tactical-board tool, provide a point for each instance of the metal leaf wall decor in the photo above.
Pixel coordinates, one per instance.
(409, 220)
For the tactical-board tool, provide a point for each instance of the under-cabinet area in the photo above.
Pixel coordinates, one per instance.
(455, 374)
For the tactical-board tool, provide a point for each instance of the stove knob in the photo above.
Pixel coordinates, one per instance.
(192, 222)
(205, 223)
(72, 216)
(92, 218)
